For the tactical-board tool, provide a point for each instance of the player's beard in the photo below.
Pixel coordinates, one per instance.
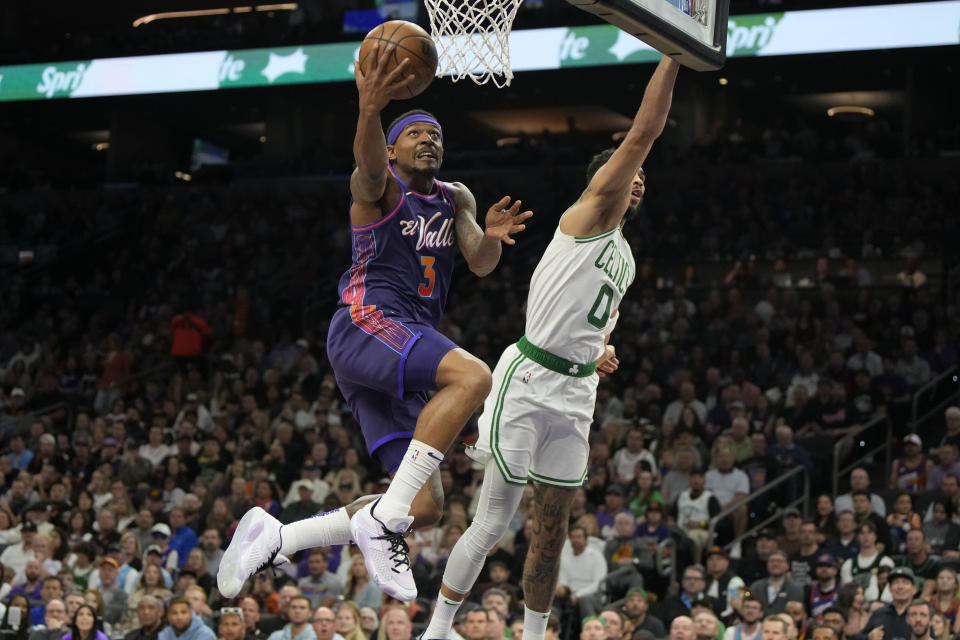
(632, 212)
(427, 172)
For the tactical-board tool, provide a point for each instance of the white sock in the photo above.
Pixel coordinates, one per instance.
(322, 530)
(442, 619)
(534, 624)
(419, 462)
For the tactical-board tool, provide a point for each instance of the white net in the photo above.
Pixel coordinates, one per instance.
(473, 38)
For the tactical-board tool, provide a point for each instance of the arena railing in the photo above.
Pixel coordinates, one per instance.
(19, 424)
(845, 444)
(801, 502)
(932, 390)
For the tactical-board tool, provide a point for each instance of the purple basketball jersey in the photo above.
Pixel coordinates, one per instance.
(402, 266)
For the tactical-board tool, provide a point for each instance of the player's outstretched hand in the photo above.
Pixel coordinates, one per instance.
(377, 86)
(608, 362)
(504, 220)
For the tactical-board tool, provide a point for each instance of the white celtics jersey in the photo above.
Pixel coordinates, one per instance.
(575, 291)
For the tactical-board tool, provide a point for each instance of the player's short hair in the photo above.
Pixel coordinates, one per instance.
(598, 161)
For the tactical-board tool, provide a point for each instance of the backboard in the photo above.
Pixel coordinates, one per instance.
(694, 32)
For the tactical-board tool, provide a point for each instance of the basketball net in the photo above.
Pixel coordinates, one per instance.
(473, 38)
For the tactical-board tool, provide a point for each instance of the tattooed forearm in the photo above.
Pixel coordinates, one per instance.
(551, 511)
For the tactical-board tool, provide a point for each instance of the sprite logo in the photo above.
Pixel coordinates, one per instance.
(53, 81)
(748, 35)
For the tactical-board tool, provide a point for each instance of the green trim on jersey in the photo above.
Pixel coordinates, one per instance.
(557, 482)
(508, 477)
(603, 234)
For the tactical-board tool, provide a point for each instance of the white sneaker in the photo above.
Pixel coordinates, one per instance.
(255, 546)
(384, 553)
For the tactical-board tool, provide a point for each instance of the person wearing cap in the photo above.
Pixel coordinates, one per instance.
(653, 530)
(860, 480)
(722, 583)
(161, 539)
(910, 471)
(822, 593)
(114, 597)
(693, 510)
(636, 607)
(777, 589)
(947, 464)
(613, 505)
(749, 627)
(889, 622)
(863, 567)
(17, 555)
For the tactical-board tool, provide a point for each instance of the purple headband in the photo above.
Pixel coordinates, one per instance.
(398, 128)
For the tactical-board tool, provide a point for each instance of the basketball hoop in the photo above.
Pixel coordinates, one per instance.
(473, 38)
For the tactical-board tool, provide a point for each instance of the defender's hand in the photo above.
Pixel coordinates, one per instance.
(377, 87)
(503, 220)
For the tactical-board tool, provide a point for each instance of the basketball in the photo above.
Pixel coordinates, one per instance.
(412, 42)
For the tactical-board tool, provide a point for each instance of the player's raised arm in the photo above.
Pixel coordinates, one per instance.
(375, 88)
(481, 247)
(608, 194)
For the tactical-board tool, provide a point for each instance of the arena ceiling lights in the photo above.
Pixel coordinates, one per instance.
(925, 24)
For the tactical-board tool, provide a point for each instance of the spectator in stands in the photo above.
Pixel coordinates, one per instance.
(183, 539)
(790, 523)
(114, 597)
(863, 513)
(613, 505)
(54, 623)
(626, 459)
(581, 570)
(692, 590)
(298, 612)
(729, 485)
(722, 583)
(862, 567)
(844, 543)
(941, 531)
(707, 625)
(149, 617)
(824, 591)
(612, 624)
(183, 625)
(190, 337)
(911, 472)
(682, 628)
(16, 618)
(892, 617)
(785, 455)
(677, 480)
(398, 626)
(749, 627)
(947, 464)
(251, 619)
(628, 553)
(693, 510)
(775, 627)
(864, 358)
(946, 595)
(51, 589)
(636, 608)
(901, 520)
(777, 589)
(231, 625)
(919, 559)
(321, 587)
(86, 625)
(803, 562)
(687, 399)
(360, 589)
(911, 367)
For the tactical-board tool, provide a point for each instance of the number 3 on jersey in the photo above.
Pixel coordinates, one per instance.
(429, 275)
(600, 311)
